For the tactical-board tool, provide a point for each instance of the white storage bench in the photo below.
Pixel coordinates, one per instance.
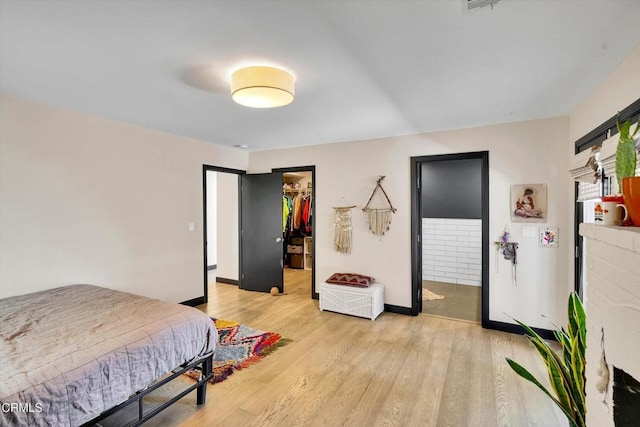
(362, 302)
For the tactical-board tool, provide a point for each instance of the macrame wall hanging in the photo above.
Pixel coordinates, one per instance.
(342, 228)
(509, 250)
(379, 219)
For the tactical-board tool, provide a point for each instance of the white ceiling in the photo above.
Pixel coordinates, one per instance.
(364, 69)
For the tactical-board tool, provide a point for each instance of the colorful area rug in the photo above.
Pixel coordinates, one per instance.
(239, 346)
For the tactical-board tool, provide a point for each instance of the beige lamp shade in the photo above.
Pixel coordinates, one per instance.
(262, 87)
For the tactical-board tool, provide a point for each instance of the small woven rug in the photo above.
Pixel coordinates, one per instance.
(427, 295)
(239, 346)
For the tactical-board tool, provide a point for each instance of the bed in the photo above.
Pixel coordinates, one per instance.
(72, 355)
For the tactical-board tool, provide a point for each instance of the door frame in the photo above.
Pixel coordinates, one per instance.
(238, 172)
(312, 169)
(416, 227)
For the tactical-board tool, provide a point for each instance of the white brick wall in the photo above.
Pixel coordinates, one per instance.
(452, 250)
(612, 294)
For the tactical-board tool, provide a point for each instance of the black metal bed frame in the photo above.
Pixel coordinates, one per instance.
(206, 374)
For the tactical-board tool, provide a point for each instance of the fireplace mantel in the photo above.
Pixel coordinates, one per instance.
(612, 300)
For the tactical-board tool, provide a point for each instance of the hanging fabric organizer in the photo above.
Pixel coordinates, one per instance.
(379, 219)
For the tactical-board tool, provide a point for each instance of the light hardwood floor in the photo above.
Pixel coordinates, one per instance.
(341, 370)
(460, 301)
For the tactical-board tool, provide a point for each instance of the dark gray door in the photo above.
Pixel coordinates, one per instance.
(261, 260)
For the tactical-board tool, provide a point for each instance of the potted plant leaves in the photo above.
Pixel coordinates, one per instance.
(626, 164)
(566, 369)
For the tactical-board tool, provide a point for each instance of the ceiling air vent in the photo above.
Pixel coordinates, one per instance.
(475, 4)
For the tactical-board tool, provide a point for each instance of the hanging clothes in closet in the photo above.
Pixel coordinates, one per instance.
(306, 215)
(297, 216)
(286, 210)
(302, 215)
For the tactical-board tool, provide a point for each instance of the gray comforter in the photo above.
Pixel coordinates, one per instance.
(68, 354)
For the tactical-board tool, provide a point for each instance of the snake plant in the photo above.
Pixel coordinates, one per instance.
(566, 368)
(626, 156)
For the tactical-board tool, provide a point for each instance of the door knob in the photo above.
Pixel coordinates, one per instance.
(278, 239)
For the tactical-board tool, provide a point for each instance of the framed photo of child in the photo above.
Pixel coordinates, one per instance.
(528, 203)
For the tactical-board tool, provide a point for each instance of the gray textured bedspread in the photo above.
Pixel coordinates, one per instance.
(70, 353)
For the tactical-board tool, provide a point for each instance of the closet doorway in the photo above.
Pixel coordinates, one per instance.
(264, 236)
(221, 226)
(450, 218)
(297, 229)
(256, 229)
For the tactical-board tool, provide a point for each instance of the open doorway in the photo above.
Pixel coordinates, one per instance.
(450, 223)
(254, 253)
(221, 227)
(297, 229)
(266, 244)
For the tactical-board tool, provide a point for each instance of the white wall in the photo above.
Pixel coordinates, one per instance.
(212, 218)
(90, 200)
(618, 91)
(519, 153)
(228, 225)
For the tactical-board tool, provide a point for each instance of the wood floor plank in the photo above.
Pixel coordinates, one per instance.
(426, 403)
(395, 412)
(312, 375)
(481, 402)
(457, 381)
(368, 408)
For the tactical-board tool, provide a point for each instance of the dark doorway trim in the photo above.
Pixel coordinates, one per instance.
(311, 169)
(397, 309)
(416, 228)
(517, 329)
(578, 214)
(595, 137)
(205, 169)
(194, 302)
(599, 134)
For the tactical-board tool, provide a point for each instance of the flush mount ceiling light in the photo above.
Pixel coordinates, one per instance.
(262, 87)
